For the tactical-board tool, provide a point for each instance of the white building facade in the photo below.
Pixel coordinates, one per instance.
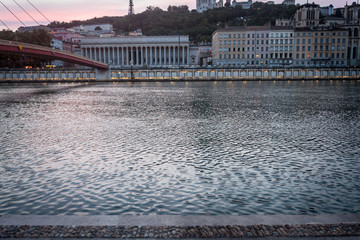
(149, 51)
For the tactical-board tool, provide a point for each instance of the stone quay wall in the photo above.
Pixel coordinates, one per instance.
(189, 74)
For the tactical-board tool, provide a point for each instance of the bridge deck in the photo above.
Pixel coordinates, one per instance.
(19, 47)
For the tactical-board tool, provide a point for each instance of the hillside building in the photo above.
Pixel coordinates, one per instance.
(307, 15)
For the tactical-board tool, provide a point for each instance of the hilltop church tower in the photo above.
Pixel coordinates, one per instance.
(131, 8)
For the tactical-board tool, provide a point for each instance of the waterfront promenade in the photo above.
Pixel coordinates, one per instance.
(181, 227)
(190, 74)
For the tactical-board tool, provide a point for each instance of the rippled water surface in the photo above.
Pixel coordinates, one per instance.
(225, 148)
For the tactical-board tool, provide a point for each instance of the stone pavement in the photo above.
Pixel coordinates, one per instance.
(181, 227)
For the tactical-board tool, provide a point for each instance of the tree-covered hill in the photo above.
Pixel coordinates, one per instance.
(199, 26)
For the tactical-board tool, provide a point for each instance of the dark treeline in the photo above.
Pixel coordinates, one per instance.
(38, 37)
(180, 20)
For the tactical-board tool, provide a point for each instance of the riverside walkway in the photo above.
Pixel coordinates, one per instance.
(190, 74)
(338, 226)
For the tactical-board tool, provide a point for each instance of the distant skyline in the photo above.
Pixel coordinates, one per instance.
(68, 10)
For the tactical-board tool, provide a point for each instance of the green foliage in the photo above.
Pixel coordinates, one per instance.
(199, 26)
(37, 37)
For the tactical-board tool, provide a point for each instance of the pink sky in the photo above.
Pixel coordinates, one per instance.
(67, 10)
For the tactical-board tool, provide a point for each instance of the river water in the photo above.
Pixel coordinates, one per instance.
(184, 148)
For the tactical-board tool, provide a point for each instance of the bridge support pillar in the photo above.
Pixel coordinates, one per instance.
(102, 74)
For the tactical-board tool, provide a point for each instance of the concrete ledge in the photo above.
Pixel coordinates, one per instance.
(180, 221)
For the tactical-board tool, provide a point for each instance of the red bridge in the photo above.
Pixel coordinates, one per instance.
(25, 48)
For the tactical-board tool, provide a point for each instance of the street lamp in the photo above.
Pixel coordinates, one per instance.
(131, 71)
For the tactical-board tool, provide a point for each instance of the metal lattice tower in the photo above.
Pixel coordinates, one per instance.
(131, 8)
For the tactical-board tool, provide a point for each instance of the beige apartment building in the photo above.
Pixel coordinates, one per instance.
(244, 46)
(320, 47)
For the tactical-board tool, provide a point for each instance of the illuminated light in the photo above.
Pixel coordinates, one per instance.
(257, 55)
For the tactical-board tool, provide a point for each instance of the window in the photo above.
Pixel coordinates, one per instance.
(221, 36)
(220, 42)
(229, 35)
(309, 48)
(303, 48)
(220, 49)
(309, 41)
(225, 35)
(303, 41)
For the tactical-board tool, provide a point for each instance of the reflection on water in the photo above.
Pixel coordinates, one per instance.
(224, 148)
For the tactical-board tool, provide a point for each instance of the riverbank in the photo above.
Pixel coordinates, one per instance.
(162, 226)
(191, 74)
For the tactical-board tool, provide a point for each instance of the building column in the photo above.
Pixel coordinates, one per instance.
(160, 56)
(169, 52)
(146, 56)
(137, 56)
(126, 60)
(132, 56)
(151, 56)
(188, 56)
(122, 56)
(156, 60)
(165, 57)
(104, 49)
(109, 54)
(142, 56)
(118, 55)
(174, 55)
(95, 54)
(183, 56)
(90, 53)
(113, 56)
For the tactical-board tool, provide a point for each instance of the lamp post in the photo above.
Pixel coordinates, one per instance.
(131, 71)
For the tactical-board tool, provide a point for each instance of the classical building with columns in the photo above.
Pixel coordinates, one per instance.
(149, 51)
